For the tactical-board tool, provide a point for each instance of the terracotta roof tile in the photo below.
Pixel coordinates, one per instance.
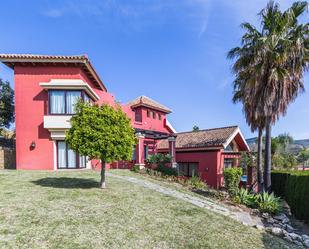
(203, 138)
(146, 101)
(43, 57)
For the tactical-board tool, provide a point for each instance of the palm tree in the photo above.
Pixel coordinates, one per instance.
(269, 68)
(253, 122)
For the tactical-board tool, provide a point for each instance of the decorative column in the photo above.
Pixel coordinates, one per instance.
(172, 149)
(140, 151)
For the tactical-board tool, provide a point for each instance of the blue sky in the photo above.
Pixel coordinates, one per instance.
(172, 51)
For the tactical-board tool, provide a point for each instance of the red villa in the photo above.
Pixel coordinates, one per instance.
(46, 89)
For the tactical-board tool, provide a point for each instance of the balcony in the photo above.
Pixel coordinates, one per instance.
(57, 125)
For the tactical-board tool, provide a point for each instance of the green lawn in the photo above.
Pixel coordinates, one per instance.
(67, 210)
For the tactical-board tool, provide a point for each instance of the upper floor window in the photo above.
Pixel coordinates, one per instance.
(138, 116)
(153, 115)
(148, 113)
(159, 116)
(63, 101)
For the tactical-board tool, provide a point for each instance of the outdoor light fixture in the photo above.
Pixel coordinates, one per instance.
(32, 145)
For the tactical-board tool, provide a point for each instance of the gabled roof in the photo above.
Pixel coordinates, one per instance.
(217, 137)
(77, 60)
(148, 102)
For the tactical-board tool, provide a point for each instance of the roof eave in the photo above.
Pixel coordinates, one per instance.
(232, 136)
(167, 111)
(10, 62)
(193, 148)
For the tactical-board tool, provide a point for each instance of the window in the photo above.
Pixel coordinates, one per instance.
(138, 116)
(63, 101)
(153, 115)
(228, 163)
(134, 153)
(72, 98)
(69, 159)
(159, 116)
(188, 169)
(148, 113)
(146, 151)
(86, 98)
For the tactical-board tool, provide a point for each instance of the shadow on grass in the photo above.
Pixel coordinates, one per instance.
(67, 182)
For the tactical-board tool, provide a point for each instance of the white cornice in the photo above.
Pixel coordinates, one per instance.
(73, 84)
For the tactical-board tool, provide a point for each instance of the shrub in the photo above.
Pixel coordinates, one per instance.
(196, 183)
(268, 203)
(165, 170)
(243, 196)
(232, 179)
(135, 168)
(293, 186)
(152, 172)
(278, 181)
(159, 159)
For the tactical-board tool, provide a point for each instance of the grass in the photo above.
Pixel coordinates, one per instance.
(67, 210)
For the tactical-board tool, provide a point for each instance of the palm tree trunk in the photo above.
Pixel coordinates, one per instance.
(259, 162)
(103, 167)
(267, 170)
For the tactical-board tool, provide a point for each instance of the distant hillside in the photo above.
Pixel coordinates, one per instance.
(303, 142)
(294, 148)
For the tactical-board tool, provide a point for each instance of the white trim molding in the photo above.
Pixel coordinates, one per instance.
(57, 121)
(67, 84)
(230, 139)
(169, 125)
(57, 134)
(55, 154)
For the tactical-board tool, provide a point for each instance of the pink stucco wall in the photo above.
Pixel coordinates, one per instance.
(211, 163)
(30, 107)
(208, 164)
(147, 123)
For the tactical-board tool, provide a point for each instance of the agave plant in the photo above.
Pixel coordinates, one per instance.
(269, 203)
(244, 197)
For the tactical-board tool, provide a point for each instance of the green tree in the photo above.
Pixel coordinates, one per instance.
(280, 143)
(284, 140)
(303, 157)
(270, 66)
(195, 128)
(101, 132)
(6, 104)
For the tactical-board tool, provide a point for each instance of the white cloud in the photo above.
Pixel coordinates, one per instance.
(137, 14)
(53, 13)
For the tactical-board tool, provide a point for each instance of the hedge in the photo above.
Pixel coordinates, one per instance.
(293, 186)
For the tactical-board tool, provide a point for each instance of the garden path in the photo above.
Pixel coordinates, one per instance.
(241, 216)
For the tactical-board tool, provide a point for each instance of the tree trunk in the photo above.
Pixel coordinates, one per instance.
(267, 170)
(103, 166)
(259, 162)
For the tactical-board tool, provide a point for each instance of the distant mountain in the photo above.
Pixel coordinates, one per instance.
(295, 147)
(251, 140)
(303, 142)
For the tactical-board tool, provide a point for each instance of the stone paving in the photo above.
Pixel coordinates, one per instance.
(241, 216)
